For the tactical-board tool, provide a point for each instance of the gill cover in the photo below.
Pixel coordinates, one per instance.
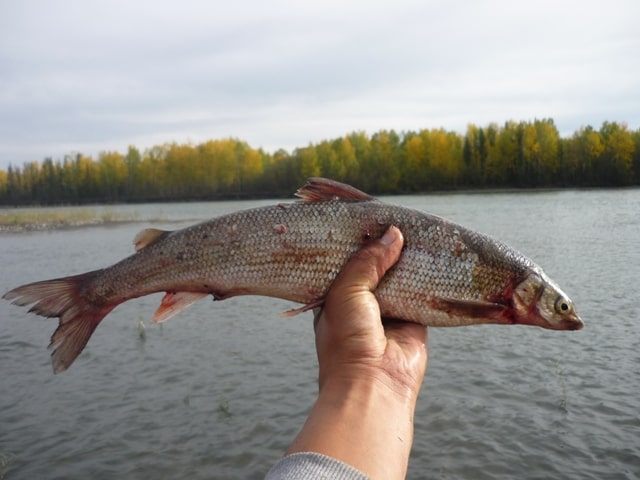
(537, 300)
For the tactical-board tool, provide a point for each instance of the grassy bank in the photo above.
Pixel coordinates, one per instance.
(46, 219)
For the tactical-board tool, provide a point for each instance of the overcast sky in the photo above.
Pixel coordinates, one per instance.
(88, 76)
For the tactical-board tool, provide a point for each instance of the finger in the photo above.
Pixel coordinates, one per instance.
(367, 267)
(350, 309)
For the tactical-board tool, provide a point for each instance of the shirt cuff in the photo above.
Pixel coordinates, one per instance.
(305, 465)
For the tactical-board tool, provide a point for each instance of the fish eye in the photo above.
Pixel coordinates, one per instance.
(563, 306)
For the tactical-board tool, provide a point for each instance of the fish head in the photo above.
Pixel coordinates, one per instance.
(537, 300)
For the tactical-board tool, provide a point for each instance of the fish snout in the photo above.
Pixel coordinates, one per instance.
(572, 323)
(538, 301)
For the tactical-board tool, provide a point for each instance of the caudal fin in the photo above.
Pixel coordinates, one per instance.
(62, 298)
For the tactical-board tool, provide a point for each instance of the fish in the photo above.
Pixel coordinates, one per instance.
(447, 275)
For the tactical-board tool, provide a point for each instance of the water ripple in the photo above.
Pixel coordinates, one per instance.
(222, 389)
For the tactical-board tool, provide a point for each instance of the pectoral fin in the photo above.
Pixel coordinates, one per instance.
(468, 308)
(174, 302)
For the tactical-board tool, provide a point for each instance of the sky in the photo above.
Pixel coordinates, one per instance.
(90, 76)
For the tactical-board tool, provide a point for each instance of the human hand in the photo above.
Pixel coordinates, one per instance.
(351, 340)
(370, 374)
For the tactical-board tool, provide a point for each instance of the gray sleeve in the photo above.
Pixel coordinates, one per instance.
(309, 465)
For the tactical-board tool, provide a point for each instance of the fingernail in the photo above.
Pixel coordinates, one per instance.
(389, 237)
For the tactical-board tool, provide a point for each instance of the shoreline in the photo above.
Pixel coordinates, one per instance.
(50, 219)
(53, 225)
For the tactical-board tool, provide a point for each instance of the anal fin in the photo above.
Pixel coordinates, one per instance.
(175, 302)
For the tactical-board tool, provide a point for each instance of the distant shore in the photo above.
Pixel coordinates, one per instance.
(51, 225)
(39, 221)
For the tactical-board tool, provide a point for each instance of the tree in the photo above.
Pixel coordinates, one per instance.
(548, 141)
(347, 159)
(50, 182)
(474, 155)
(4, 183)
(636, 156)
(508, 145)
(616, 162)
(415, 168)
(220, 165)
(495, 172)
(133, 163)
(308, 162)
(152, 173)
(330, 164)
(112, 173)
(250, 165)
(445, 154)
(361, 145)
(381, 168)
(520, 154)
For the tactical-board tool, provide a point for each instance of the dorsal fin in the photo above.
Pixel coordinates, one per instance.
(319, 189)
(148, 237)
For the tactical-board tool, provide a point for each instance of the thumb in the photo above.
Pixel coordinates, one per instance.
(370, 263)
(351, 294)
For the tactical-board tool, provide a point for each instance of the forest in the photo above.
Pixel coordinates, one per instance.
(524, 154)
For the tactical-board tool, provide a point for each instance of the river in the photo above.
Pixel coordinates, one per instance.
(220, 390)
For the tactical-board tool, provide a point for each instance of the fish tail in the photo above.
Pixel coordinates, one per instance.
(62, 298)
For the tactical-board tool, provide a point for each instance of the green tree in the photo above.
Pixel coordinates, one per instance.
(347, 159)
(3, 186)
(582, 152)
(361, 145)
(30, 183)
(309, 162)
(221, 165)
(548, 158)
(474, 155)
(381, 167)
(508, 149)
(445, 153)
(495, 171)
(636, 156)
(133, 163)
(250, 166)
(112, 173)
(49, 183)
(329, 161)
(415, 169)
(616, 162)
(517, 154)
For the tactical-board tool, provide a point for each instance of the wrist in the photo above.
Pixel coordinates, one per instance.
(363, 385)
(399, 385)
(363, 421)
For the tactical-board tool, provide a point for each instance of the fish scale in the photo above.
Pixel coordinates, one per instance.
(447, 275)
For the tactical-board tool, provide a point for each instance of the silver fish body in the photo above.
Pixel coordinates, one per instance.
(447, 275)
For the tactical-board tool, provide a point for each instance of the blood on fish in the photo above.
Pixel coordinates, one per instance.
(279, 228)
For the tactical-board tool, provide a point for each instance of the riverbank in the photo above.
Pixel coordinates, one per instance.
(18, 221)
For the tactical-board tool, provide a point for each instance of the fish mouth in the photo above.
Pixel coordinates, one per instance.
(573, 323)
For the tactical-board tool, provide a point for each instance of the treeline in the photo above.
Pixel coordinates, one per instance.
(516, 154)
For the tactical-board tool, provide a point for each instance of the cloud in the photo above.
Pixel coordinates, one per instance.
(91, 76)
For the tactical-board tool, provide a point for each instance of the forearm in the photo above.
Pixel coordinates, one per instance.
(363, 423)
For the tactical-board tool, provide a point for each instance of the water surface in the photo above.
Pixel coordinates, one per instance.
(221, 390)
